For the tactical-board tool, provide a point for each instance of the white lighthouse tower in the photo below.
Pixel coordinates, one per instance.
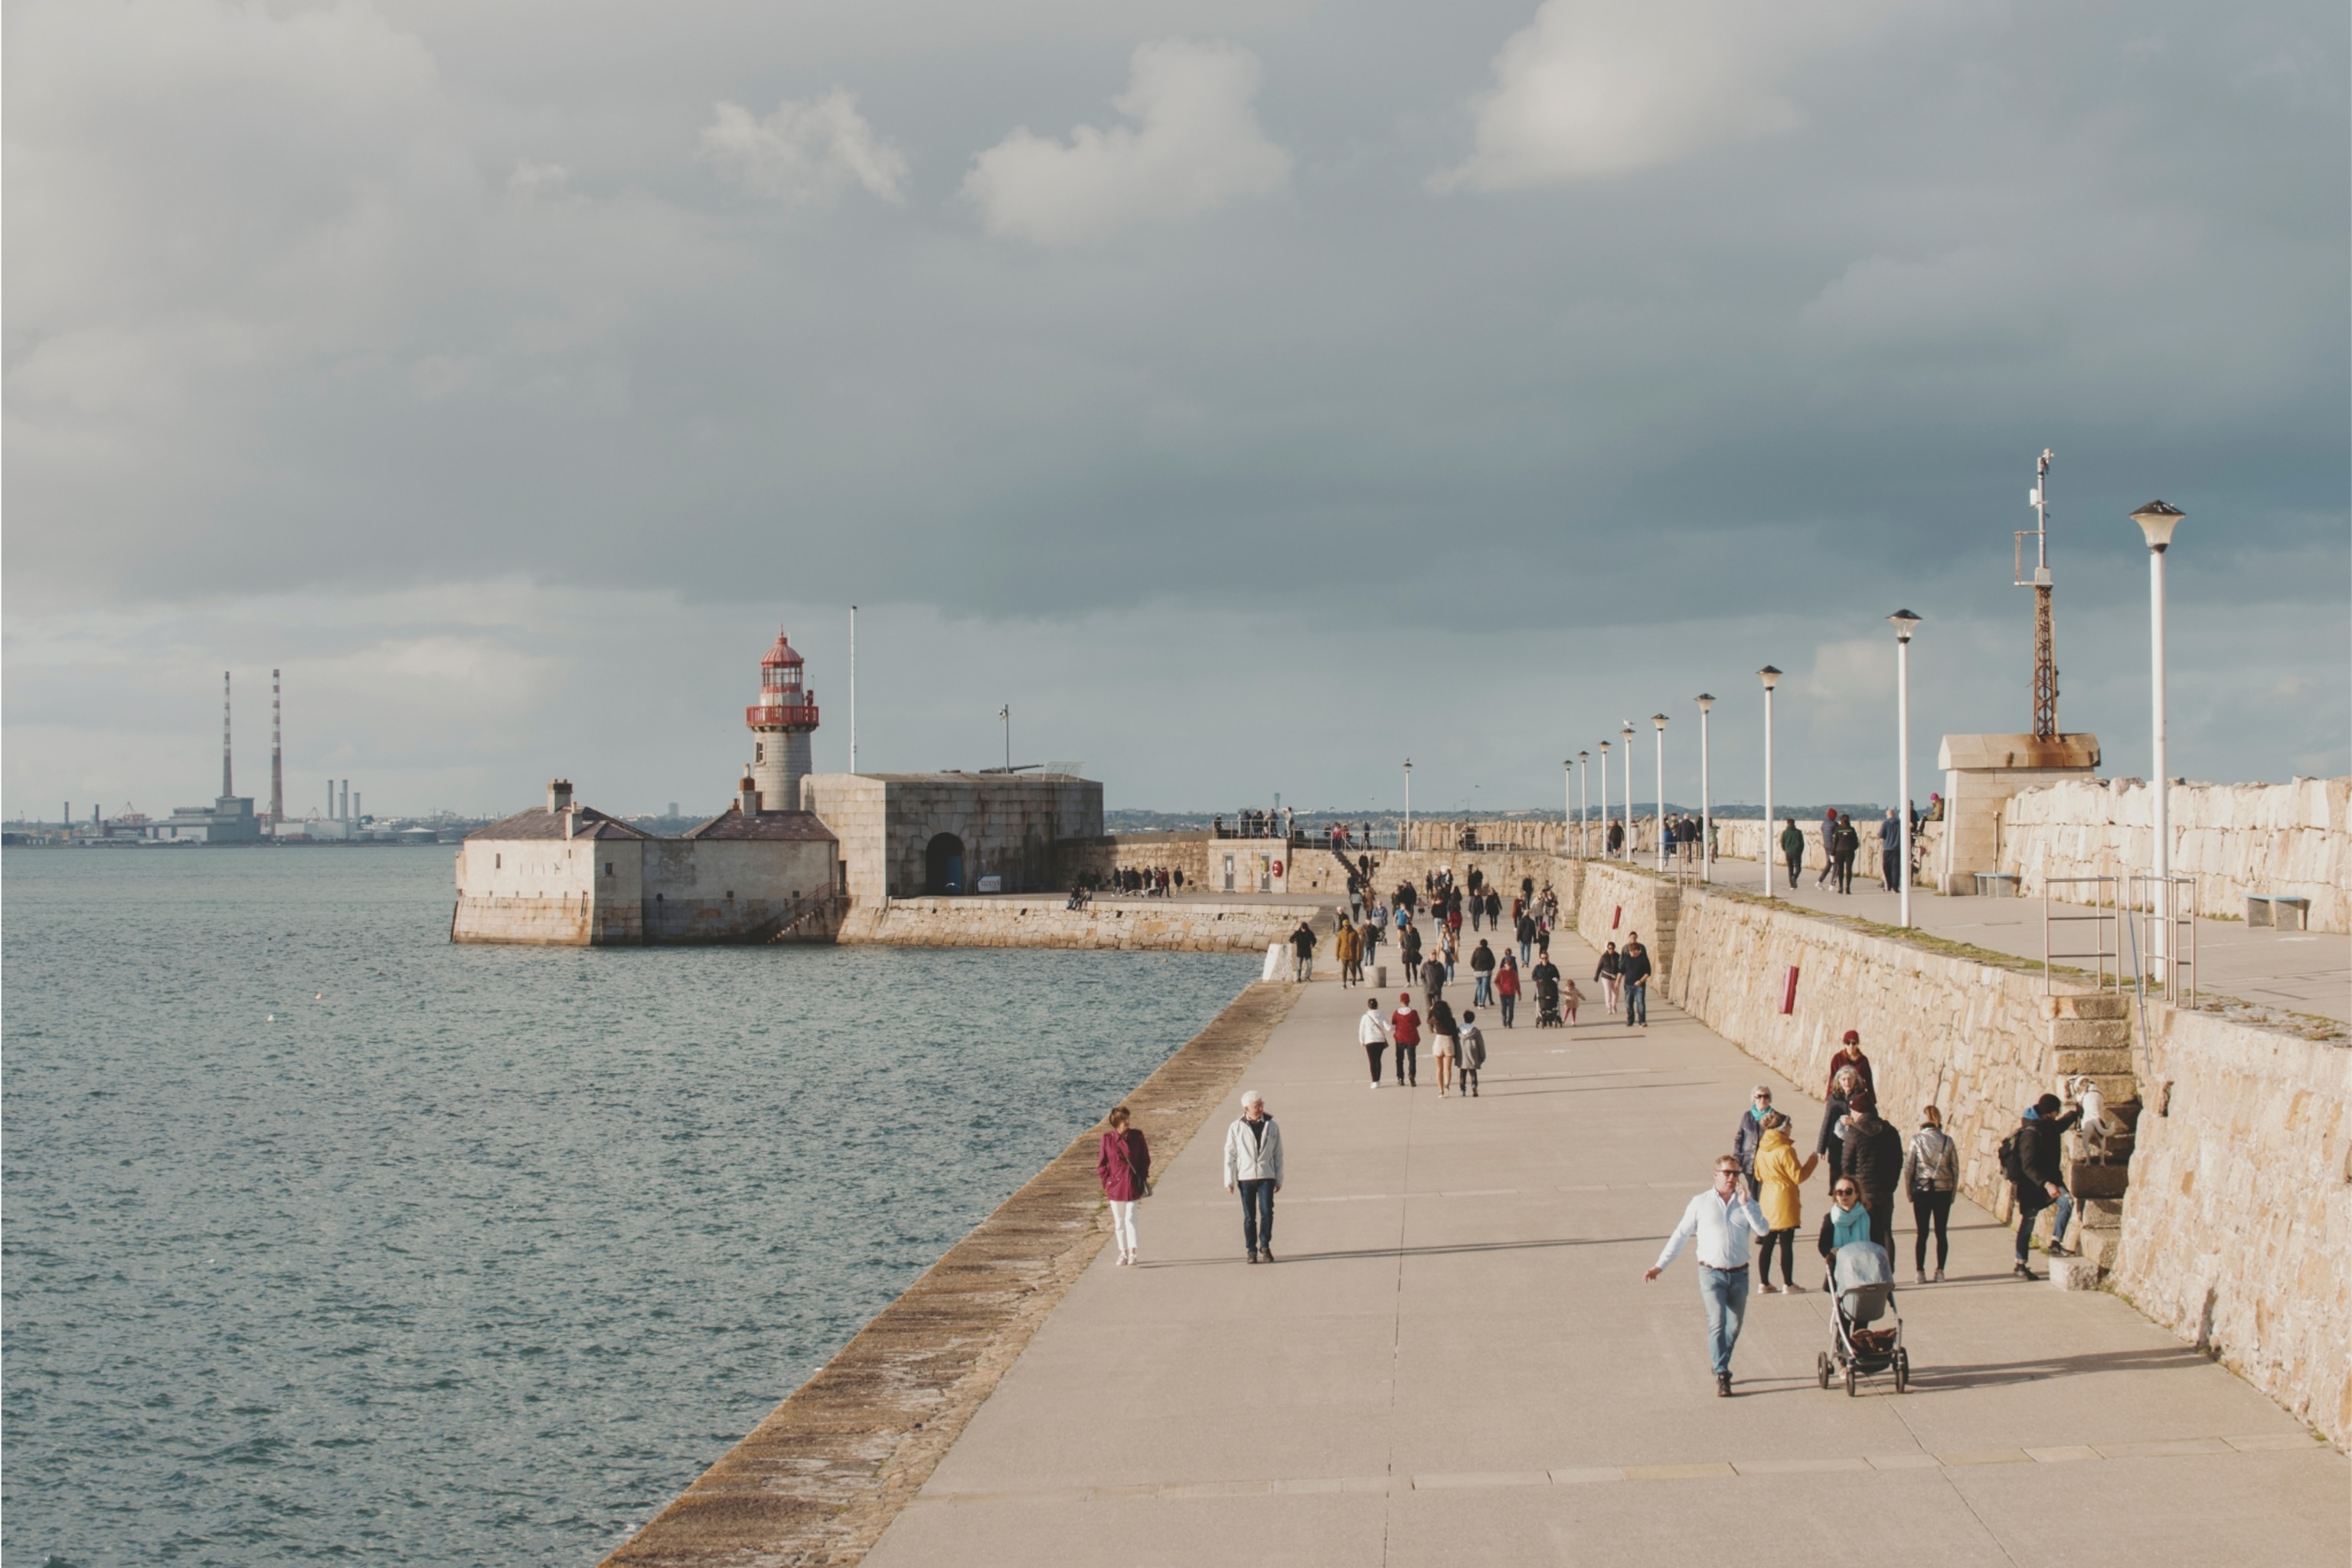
(781, 722)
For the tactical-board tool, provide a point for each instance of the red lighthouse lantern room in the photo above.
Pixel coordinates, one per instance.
(784, 703)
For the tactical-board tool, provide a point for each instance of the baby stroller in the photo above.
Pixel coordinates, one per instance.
(1864, 1287)
(1548, 1004)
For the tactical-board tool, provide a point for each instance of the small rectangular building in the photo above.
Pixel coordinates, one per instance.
(912, 834)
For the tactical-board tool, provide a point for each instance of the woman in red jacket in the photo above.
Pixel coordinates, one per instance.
(1125, 1167)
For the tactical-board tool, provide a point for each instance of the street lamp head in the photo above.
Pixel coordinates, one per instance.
(1705, 700)
(2158, 521)
(1604, 751)
(1770, 677)
(1905, 623)
(1629, 731)
(1659, 720)
(1587, 756)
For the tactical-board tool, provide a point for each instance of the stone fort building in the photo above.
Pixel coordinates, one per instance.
(788, 860)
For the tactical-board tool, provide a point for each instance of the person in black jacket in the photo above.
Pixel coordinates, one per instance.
(1432, 978)
(1830, 1148)
(1637, 965)
(2040, 1176)
(1872, 1159)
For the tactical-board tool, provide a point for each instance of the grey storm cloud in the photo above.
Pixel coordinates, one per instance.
(1581, 321)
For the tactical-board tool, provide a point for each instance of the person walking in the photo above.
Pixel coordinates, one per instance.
(1636, 969)
(1610, 972)
(1453, 948)
(1433, 976)
(1253, 1167)
(1470, 1052)
(2029, 1158)
(1525, 930)
(1124, 1164)
(1545, 975)
(1494, 910)
(1792, 850)
(1347, 947)
(1569, 998)
(1873, 1158)
(1850, 1055)
(1404, 1031)
(1780, 1183)
(1372, 1034)
(1836, 1105)
(1409, 944)
(1847, 1223)
(1446, 1043)
(1829, 845)
(1482, 970)
(1849, 845)
(1750, 1132)
(1375, 927)
(1724, 1222)
(1890, 851)
(1507, 988)
(1302, 945)
(1931, 1176)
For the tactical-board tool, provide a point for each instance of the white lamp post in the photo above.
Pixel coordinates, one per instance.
(1771, 677)
(1705, 701)
(1566, 798)
(1660, 721)
(1604, 798)
(1628, 732)
(1583, 798)
(2157, 522)
(1905, 623)
(1407, 842)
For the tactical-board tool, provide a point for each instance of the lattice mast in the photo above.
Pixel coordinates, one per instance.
(229, 779)
(277, 757)
(2045, 666)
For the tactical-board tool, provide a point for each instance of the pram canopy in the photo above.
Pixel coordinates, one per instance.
(1864, 1282)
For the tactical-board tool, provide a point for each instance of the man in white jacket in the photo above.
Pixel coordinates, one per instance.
(1254, 1165)
(1372, 1034)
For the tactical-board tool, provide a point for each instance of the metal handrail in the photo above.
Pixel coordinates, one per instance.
(2105, 918)
(2179, 982)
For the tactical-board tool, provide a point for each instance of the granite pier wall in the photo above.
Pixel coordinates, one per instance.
(1164, 925)
(2232, 1223)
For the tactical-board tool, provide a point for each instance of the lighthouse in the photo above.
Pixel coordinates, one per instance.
(779, 722)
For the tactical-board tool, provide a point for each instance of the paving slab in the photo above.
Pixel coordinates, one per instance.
(1457, 1361)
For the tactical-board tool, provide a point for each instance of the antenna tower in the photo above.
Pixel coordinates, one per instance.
(277, 759)
(2045, 667)
(228, 785)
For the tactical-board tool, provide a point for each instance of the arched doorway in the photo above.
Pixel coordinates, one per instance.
(943, 863)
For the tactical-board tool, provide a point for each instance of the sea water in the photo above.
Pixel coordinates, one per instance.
(326, 1240)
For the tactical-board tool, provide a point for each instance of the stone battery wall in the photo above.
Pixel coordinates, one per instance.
(1010, 825)
(1174, 925)
(2237, 1228)
(2237, 1232)
(1096, 858)
(724, 890)
(1320, 870)
(2293, 838)
(1613, 902)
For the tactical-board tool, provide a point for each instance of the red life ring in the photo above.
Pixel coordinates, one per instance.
(1278, 867)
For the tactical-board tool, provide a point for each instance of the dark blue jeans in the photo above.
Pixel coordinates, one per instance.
(1637, 1002)
(1257, 1215)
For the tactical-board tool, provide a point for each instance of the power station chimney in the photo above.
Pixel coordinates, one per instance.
(277, 760)
(228, 781)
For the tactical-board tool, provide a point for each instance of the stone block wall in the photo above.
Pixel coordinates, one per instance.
(2238, 1233)
(1321, 871)
(2236, 839)
(1612, 902)
(1009, 827)
(1165, 925)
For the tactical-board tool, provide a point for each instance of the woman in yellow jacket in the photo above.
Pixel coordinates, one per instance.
(1779, 1176)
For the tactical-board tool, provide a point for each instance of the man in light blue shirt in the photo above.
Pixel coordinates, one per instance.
(1724, 1220)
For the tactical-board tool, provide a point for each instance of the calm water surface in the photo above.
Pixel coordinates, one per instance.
(327, 1240)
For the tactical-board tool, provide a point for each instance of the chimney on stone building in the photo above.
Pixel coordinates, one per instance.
(746, 797)
(559, 794)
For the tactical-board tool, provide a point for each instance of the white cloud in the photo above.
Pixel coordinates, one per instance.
(805, 152)
(1595, 88)
(1196, 145)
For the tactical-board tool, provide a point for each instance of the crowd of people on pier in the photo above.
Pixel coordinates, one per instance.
(1754, 1210)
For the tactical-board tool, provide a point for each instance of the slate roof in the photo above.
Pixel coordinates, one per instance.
(767, 825)
(541, 823)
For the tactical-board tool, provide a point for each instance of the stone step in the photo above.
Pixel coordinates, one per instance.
(2102, 1063)
(2089, 1033)
(2098, 1004)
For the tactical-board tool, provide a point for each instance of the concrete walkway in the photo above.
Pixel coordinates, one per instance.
(1457, 1361)
(2302, 971)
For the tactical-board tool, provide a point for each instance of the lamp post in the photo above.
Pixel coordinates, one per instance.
(1628, 732)
(1705, 701)
(1660, 721)
(1905, 623)
(1604, 798)
(1771, 677)
(1583, 798)
(2157, 522)
(1406, 842)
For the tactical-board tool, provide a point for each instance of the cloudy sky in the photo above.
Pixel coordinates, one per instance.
(1250, 395)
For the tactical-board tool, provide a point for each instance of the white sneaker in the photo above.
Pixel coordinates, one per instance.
(1376, 1083)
